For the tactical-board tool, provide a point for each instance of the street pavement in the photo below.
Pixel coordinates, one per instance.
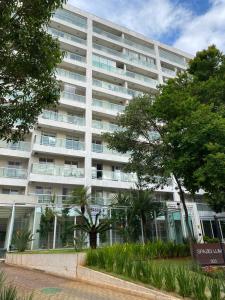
(45, 286)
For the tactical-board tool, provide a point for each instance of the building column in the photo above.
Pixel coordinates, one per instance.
(34, 228)
(54, 232)
(158, 64)
(10, 229)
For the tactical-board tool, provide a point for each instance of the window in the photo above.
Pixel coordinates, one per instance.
(71, 163)
(40, 190)
(48, 139)
(69, 88)
(14, 164)
(46, 160)
(72, 142)
(10, 191)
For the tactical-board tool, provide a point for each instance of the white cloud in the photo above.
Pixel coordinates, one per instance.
(204, 30)
(163, 19)
(152, 18)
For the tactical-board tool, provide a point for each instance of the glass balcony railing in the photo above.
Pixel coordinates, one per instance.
(61, 143)
(106, 126)
(70, 75)
(13, 173)
(21, 146)
(67, 36)
(172, 57)
(54, 170)
(70, 18)
(108, 105)
(74, 97)
(129, 58)
(97, 148)
(76, 57)
(168, 71)
(107, 34)
(133, 75)
(115, 88)
(123, 40)
(52, 198)
(71, 119)
(139, 46)
(115, 176)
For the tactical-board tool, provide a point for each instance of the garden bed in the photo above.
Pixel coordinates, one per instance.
(142, 264)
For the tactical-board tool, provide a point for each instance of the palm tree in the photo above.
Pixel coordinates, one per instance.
(140, 204)
(93, 227)
(80, 196)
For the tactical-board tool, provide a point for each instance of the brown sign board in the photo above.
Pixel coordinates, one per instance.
(208, 254)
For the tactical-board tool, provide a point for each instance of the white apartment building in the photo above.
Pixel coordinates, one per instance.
(104, 67)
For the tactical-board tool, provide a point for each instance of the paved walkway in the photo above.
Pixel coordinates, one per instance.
(50, 287)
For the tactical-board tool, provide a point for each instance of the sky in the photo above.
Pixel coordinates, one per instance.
(190, 25)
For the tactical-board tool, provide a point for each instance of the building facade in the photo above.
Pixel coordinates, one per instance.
(104, 67)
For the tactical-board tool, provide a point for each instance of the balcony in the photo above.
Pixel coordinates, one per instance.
(67, 36)
(60, 146)
(13, 176)
(13, 173)
(57, 174)
(75, 57)
(124, 40)
(114, 176)
(71, 119)
(116, 88)
(74, 97)
(139, 77)
(99, 148)
(20, 146)
(70, 17)
(125, 56)
(169, 72)
(172, 57)
(105, 105)
(105, 126)
(70, 75)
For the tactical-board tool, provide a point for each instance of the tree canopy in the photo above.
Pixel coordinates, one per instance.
(180, 131)
(28, 57)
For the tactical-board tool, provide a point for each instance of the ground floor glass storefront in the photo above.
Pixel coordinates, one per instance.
(53, 226)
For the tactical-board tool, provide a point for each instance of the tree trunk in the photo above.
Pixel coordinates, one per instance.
(182, 198)
(144, 223)
(93, 240)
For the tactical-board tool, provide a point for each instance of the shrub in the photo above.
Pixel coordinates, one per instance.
(185, 282)
(199, 286)
(157, 276)
(21, 240)
(214, 287)
(170, 278)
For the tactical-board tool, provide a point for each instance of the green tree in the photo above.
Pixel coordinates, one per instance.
(140, 208)
(93, 226)
(180, 131)
(81, 197)
(47, 225)
(28, 57)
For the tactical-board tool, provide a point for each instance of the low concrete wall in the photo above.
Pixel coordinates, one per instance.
(72, 266)
(64, 265)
